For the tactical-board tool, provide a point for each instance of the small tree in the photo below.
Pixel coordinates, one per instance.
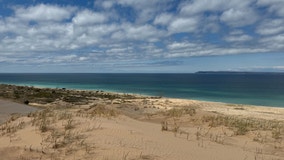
(27, 102)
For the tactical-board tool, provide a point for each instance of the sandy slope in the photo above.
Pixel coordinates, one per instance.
(125, 138)
(130, 136)
(82, 132)
(263, 112)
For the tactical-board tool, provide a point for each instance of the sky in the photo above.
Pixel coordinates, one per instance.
(141, 36)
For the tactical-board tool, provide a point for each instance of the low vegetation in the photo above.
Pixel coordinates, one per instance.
(26, 94)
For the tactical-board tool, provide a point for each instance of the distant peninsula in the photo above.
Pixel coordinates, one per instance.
(235, 72)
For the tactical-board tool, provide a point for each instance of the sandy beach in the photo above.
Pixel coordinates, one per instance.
(110, 126)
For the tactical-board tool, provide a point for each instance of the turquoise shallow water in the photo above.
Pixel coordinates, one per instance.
(265, 89)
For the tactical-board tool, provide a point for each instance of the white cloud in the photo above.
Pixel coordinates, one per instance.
(117, 50)
(181, 45)
(275, 6)
(12, 24)
(211, 50)
(145, 10)
(237, 18)
(198, 6)
(210, 24)
(107, 4)
(65, 58)
(47, 37)
(163, 19)
(141, 4)
(279, 67)
(46, 34)
(234, 12)
(271, 27)
(83, 58)
(274, 43)
(238, 36)
(44, 12)
(137, 32)
(183, 25)
(83, 36)
(189, 49)
(3, 27)
(58, 34)
(87, 17)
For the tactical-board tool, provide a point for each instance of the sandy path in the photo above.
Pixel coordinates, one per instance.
(7, 108)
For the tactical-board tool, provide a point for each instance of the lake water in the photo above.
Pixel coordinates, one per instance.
(265, 89)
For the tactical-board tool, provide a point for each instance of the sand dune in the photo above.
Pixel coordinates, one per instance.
(124, 128)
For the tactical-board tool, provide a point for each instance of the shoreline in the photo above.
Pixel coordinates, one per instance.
(245, 110)
(139, 95)
(114, 91)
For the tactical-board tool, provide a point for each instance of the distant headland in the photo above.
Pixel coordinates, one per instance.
(235, 72)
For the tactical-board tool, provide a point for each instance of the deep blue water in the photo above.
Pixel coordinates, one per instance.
(256, 89)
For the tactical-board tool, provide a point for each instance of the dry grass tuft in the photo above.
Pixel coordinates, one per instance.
(102, 110)
(178, 112)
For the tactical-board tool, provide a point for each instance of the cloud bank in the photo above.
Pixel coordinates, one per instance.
(130, 31)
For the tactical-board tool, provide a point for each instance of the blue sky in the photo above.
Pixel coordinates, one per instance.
(141, 35)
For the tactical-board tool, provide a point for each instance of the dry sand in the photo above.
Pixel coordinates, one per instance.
(263, 112)
(99, 132)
